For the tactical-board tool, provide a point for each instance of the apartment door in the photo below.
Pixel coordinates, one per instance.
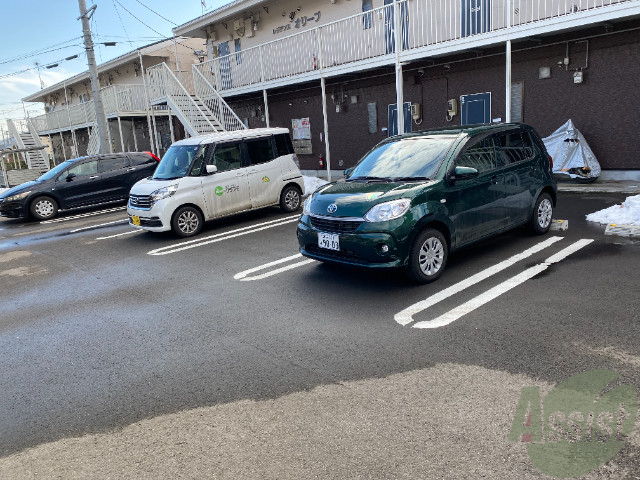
(225, 65)
(389, 26)
(475, 108)
(393, 118)
(476, 17)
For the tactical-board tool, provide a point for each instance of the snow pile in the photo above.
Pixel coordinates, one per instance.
(628, 213)
(312, 183)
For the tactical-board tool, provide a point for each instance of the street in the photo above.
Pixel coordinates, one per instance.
(130, 354)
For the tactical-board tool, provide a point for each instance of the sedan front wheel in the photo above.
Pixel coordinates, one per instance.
(428, 256)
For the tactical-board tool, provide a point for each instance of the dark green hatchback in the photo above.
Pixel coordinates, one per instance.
(414, 198)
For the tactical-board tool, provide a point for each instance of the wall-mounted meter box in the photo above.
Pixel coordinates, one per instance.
(578, 77)
(415, 111)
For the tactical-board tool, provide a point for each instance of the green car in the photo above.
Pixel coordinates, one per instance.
(414, 198)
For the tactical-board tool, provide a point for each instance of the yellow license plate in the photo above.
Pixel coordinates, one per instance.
(135, 220)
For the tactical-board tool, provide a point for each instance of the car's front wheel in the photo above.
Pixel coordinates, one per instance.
(542, 214)
(290, 199)
(428, 256)
(187, 222)
(43, 208)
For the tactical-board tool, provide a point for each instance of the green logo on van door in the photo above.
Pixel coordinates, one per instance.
(219, 191)
(584, 422)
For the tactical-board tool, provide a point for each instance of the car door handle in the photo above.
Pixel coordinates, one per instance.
(239, 174)
(494, 179)
(253, 171)
(131, 169)
(93, 177)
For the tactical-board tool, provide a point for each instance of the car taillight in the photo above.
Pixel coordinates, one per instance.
(156, 158)
(550, 161)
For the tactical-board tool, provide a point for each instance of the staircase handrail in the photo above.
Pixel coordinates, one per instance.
(238, 124)
(161, 69)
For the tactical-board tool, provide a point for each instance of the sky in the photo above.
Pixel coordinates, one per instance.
(47, 32)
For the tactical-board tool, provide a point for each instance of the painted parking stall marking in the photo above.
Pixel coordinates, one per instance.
(219, 237)
(84, 215)
(406, 316)
(245, 275)
(504, 287)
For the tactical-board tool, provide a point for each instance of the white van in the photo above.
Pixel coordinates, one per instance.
(213, 176)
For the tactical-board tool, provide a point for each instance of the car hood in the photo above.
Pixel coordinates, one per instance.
(19, 189)
(147, 186)
(355, 199)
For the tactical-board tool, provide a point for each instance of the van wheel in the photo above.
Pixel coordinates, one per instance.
(43, 208)
(290, 199)
(428, 256)
(187, 222)
(542, 214)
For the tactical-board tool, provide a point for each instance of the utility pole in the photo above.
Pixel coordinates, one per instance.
(85, 15)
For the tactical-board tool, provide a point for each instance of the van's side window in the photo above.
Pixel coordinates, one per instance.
(480, 156)
(199, 159)
(227, 156)
(283, 144)
(260, 150)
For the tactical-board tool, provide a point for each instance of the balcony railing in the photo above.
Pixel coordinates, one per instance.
(117, 99)
(371, 34)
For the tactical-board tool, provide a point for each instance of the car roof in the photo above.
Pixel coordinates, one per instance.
(469, 130)
(232, 135)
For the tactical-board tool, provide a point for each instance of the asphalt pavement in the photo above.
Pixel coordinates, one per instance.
(136, 354)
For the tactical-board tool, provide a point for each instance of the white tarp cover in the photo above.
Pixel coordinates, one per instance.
(571, 153)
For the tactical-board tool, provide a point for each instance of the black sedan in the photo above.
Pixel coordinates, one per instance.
(79, 182)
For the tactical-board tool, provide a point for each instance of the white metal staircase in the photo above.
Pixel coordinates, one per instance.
(26, 136)
(202, 113)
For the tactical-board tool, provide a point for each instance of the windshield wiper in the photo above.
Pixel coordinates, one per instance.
(409, 179)
(369, 179)
(167, 178)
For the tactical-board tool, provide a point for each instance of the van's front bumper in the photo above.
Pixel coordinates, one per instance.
(366, 249)
(152, 220)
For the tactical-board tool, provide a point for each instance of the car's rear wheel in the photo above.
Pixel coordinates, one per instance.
(187, 222)
(43, 208)
(290, 199)
(542, 214)
(428, 256)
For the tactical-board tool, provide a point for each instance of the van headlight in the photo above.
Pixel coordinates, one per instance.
(306, 208)
(17, 196)
(383, 212)
(163, 193)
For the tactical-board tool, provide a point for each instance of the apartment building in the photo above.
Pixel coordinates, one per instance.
(133, 125)
(335, 69)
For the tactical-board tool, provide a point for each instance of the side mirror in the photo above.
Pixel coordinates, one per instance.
(71, 176)
(347, 172)
(463, 173)
(211, 169)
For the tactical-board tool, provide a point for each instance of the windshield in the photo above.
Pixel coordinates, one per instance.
(177, 161)
(55, 171)
(407, 158)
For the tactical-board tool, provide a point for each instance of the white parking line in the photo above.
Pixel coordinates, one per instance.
(456, 313)
(91, 227)
(219, 237)
(119, 234)
(242, 275)
(406, 316)
(83, 215)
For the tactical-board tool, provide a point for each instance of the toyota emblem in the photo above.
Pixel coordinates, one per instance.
(332, 208)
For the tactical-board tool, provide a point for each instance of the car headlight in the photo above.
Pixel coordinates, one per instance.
(386, 211)
(306, 208)
(162, 193)
(17, 196)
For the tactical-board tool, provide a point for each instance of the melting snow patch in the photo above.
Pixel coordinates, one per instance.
(312, 183)
(627, 213)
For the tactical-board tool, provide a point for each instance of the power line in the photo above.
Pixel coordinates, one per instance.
(150, 9)
(138, 18)
(121, 22)
(40, 52)
(13, 74)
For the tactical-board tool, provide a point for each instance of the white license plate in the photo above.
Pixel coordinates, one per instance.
(328, 241)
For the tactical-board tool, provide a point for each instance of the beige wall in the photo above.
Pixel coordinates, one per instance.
(268, 22)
